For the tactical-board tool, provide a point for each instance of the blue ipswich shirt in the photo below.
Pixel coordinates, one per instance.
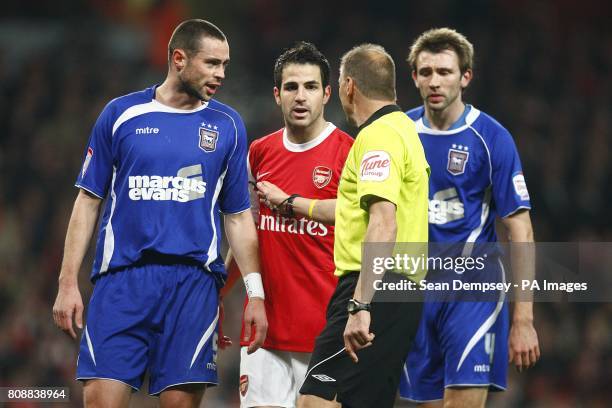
(167, 174)
(476, 175)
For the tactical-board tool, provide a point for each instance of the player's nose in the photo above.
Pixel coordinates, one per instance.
(220, 73)
(300, 94)
(434, 82)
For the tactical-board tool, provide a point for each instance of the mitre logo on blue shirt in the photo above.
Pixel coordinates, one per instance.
(187, 185)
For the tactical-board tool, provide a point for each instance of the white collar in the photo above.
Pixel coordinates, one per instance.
(302, 147)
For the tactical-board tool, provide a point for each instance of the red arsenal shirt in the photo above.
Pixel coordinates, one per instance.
(296, 253)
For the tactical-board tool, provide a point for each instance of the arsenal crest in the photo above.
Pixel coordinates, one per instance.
(321, 176)
(457, 159)
(244, 384)
(208, 139)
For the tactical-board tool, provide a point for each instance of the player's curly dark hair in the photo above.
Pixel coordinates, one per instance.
(301, 53)
(189, 33)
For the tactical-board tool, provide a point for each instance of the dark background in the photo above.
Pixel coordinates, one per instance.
(543, 69)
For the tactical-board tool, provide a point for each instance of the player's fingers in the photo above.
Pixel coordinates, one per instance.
(518, 362)
(247, 330)
(525, 358)
(260, 336)
(224, 342)
(56, 317)
(255, 344)
(78, 317)
(537, 351)
(66, 322)
(70, 329)
(510, 355)
(532, 358)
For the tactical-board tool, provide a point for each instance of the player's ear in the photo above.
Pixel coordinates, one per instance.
(414, 78)
(326, 94)
(179, 59)
(466, 78)
(277, 96)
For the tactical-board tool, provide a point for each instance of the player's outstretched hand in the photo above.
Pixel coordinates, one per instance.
(255, 315)
(68, 305)
(223, 342)
(270, 194)
(357, 333)
(523, 346)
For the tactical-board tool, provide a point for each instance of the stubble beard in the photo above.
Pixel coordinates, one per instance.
(190, 90)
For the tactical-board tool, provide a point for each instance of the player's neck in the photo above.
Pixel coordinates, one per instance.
(444, 119)
(169, 94)
(300, 135)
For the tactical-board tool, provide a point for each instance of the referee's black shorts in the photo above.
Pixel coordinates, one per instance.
(373, 381)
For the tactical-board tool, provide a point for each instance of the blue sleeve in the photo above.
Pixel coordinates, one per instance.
(509, 188)
(234, 196)
(96, 172)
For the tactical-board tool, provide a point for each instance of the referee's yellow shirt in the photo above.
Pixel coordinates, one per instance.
(387, 161)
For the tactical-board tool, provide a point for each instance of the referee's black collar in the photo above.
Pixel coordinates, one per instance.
(379, 113)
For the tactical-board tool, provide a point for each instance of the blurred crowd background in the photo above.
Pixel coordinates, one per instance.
(543, 69)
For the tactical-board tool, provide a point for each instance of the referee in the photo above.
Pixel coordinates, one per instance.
(382, 197)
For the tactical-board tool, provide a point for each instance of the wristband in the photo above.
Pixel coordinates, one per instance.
(253, 285)
(311, 207)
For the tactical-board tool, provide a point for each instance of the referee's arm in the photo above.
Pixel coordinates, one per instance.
(382, 227)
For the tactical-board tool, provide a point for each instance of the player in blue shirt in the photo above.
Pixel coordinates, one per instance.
(169, 161)
(462, 348)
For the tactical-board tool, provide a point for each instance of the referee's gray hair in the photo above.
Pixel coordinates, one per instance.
(372, 69)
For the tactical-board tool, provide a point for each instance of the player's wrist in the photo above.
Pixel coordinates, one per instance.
(68, 282)
(286, 207)
(254, 286)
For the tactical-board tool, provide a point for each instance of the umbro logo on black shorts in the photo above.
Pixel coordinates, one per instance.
(323, 377)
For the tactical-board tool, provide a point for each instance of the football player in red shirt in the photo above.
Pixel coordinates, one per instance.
(305, 158)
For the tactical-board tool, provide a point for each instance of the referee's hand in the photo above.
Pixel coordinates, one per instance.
(357, 333)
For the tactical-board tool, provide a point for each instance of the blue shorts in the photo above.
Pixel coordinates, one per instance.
(458, 344)
(160, 318)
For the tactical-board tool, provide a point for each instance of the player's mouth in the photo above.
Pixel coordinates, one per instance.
(435, 98)
(299, 112)
(211, 88)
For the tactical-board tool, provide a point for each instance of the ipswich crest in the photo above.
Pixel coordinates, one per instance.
(457, 159)
(208, 139)
(321, 176)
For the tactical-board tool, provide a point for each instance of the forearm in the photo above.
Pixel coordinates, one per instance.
(242, 238)
(382, 228)
(80, 230)
(323, 211)
(233, 273)
(522, 260)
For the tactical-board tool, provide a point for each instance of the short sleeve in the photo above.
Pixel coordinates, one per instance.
(97, 169)
(381, 164)
(234, 195)
(509, 187)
